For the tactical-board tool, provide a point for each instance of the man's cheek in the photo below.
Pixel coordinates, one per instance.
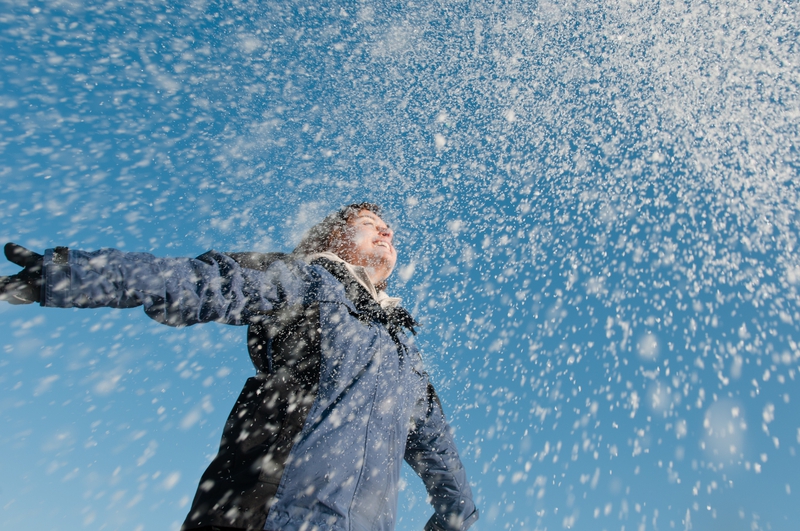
(360, 239)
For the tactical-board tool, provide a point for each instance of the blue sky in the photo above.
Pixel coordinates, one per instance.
(596, 210)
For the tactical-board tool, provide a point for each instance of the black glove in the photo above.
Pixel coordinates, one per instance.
(26, 286)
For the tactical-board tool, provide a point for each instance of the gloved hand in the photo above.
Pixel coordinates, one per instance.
(26, 286)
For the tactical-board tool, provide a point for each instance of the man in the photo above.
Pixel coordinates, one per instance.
(315, 439)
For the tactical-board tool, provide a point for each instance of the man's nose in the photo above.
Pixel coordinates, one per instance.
(386, 231)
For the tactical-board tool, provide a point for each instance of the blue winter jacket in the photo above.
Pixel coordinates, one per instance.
(316, 438)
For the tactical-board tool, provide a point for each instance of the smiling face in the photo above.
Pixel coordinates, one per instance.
(367, 241)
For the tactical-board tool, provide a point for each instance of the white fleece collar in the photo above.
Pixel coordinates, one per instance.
(360, 274)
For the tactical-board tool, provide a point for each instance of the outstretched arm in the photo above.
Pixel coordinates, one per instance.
(431, 452)
(173, 291)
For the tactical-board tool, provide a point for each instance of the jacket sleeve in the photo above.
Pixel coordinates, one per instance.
(173, 291)
(431, 452)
